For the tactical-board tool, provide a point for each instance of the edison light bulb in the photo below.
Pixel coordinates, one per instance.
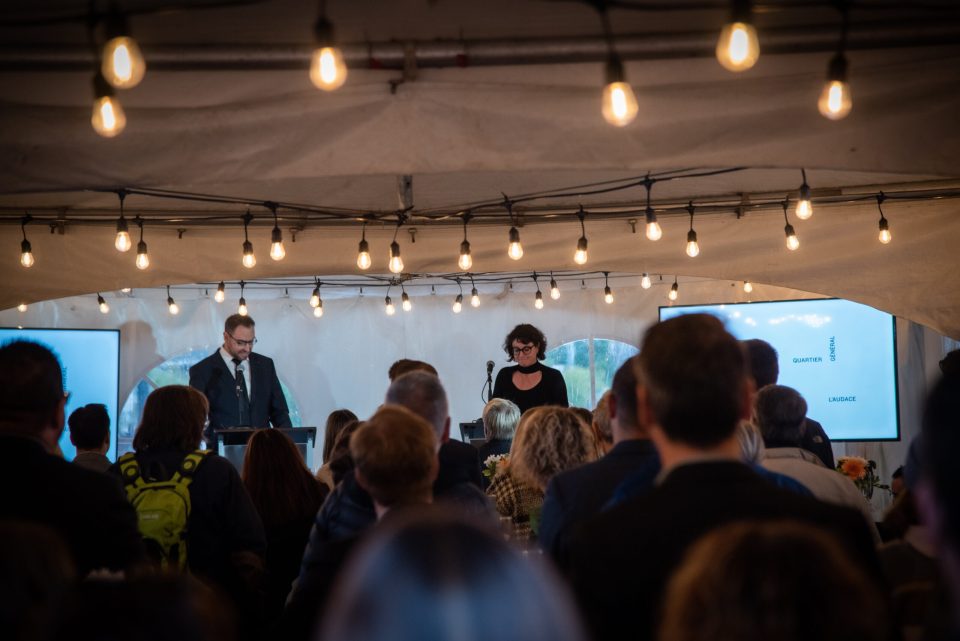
(804, 207)
(738, 46)
(277, 252)
(515, 249)
(242, 308)
(22, 307)
(327, 69)
(466, 261)
(645, 281)
(792, 241)
(390, 309)
(580, 256)
(693, 247)
(747, 286)
(538, 300)
(608, 295)
(619, 104)
(405, 302)
(835, 101)
(396, 263)
(108, 118)
(474, 297)
(249, 260)
(554, 290)
(123, 65)
(885, 235)
(653, 230)
(315, 298)
(458, 304)
(122, 241)
(173, 307)
(143, 260)
(318, 311)
(26, 254)
(363, 255)
(102, 304)
(673, 292)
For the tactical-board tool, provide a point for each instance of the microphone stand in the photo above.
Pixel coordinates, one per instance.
(489, 385)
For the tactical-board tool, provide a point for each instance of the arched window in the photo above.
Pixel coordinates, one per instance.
(174, 371)
(588, 366)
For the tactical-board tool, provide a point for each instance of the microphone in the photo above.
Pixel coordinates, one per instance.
(489, 367)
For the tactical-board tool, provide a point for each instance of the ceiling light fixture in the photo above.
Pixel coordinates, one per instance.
(26, 251)
(249, 260)
(738, 46)
(122, 242)
(143, 259)
(122, 63)
(793, 243)
(693, 247)
(885, 235)
(804, 207)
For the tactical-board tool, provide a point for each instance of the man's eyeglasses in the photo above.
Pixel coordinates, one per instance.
(241, 343)
(523, 350)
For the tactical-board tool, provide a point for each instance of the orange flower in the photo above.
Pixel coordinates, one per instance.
(854, 467)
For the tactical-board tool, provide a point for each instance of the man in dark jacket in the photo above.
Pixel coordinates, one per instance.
(86, 508)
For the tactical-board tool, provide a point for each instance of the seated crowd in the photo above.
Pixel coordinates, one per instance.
(688, 505)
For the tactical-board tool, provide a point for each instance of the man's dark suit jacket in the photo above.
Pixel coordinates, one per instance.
(459, 463)
(87, 509)
(217, 382)
(621, 561)
(576, 495)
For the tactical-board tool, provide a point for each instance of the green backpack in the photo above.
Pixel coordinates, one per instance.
(163, 508)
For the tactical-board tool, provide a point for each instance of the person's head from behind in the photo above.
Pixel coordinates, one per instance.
(623, 403)
(950, 364)
(335, 422)
(780, 413)
(694, 385)
(549, 440)
(601, 424)
(434, 576)
(500, 418)
(340, 461)
(282, 488)
(395, 457)
(31, 392)
(764, 362)
(897, 482)
(173, 418)
(763, 581)
(239, 335)
(421, 393)
(90, 428)
(407, 365)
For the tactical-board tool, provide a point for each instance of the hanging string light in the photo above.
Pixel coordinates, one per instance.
(466, 261)
(102, 304)
(396, 263)
(315, 296)
(554, 288)
(172, 304)
(580, 256)
(514, 248)
(277, 252)
(388, 305)
(221, 292)
(122, 241)
(143, 260)
(405, 299)
(793, 243)
(619, 105)
(835, 100)
(26, 251)
(738, 47)
(607, 292)
(674, 290)
(242, 306)
(363, 251)
(328, 71)
(474, 294)
(122, 63)
(747, 286)
(249, 260)
(458, 301)
(538, 298)
(693, 247)
(645, 281)
(885, 235)
(804, 207)
(318, 310)
(108, 118)
(653, 227)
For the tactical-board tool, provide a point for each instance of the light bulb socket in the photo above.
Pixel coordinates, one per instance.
(674, 287)
(741, 11)
(25, 247)
(394, 249)
(102, 88)
(459, 298)
(650, 215)
(404, 297)
(247, 248)
(614, 70)
(539, 295)
(691, 236)
(514, 235)
(122, 227)
(323, 33)
(100, 300)
(581, 246)
(170, 301)
(276, 236)
(789, 231)
(607, 291)
(805, 192)
(116, 25)
(553, 284)
(465, 248)
(243, 302)
(837, 70)
(474, 292)
(364, 247)
(142, 247)
(884, 225)
(387, 301)
(221, 287)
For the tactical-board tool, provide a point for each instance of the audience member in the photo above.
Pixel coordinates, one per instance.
(225, 541)
(86, 509)
(335, 422)
(771, 582)
(287, 497)
(90, 434)
(752, 452)
(950, 364)
(765, 369)
(395, 458)
(574, 496)
(549, 440)
(340, 462)
(500, 418)
(897, 482)
(693, 390)
(407, 365)
(600, 425)
(938, 491)
(779, 412)
(430, 576)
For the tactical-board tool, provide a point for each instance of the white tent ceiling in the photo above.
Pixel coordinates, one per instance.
(259, 130)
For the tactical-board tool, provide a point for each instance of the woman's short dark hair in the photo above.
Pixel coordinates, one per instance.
(526, 333)
(431, 575)
(282, 488)
(335, 422)
(173, 417)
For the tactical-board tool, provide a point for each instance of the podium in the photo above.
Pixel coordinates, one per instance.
(232, 442)
(471, 431)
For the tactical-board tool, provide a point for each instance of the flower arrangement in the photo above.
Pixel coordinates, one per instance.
(862, 472)
(495, 463)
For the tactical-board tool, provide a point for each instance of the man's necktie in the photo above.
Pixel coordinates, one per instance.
(243, 399)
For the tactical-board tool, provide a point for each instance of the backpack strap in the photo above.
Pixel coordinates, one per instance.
(130, 472)
(188, 467)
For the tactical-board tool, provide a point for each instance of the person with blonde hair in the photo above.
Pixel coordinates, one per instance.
(500, 418)
(549, 440)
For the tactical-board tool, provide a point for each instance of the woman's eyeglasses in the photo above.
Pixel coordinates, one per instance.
(523, 350)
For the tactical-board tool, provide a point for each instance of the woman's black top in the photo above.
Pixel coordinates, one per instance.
(551, 390)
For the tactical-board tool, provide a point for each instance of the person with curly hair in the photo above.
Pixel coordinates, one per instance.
(549, 440)
(529, 383)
